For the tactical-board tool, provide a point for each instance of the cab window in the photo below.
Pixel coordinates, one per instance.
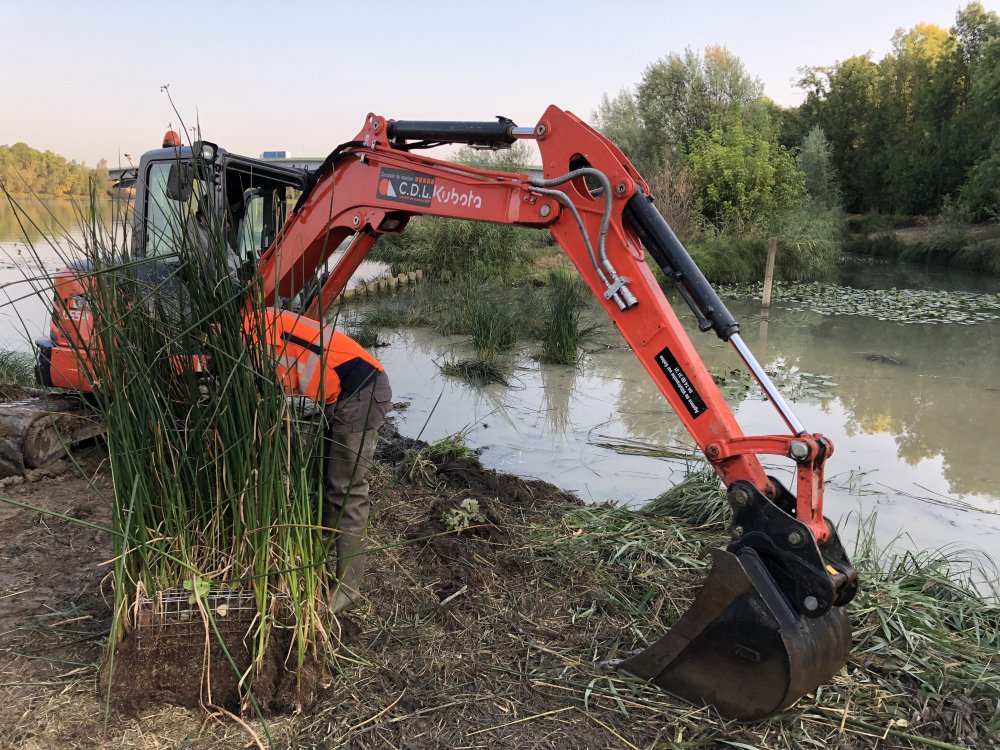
(165, 217)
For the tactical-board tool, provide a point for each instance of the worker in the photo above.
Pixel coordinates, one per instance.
(331, 368)
(208, 244)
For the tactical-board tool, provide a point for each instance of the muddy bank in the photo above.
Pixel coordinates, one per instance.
(482, 627)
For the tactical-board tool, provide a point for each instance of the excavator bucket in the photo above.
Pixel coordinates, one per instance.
(741, 647)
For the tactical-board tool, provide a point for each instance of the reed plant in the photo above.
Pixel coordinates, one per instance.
(562, 330)
(215, 476)
(17, 368)
(494, 325)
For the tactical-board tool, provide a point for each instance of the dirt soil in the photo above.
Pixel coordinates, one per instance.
(425, 589)
(470, 639)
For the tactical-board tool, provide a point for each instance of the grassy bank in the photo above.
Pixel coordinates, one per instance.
(948, 240)
(491, 601)
(494, 631)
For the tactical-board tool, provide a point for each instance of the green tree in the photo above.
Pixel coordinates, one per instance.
(981, 193)
(815, 159)
(842, 100)
(680, 95)
(911, 95)
(619, 120)
(25, 170)
(741, 176)
(975, 27)
(908, 131)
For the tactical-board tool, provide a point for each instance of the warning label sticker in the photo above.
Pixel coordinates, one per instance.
(689, 396)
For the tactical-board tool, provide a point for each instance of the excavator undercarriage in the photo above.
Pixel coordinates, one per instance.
(38, 428)
(769, 624)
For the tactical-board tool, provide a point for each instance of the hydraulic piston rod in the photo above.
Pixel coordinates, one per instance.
(668, 252)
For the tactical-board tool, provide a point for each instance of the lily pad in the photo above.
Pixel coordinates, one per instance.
(925, 306)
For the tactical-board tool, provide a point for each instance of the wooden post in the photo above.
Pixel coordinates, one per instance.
(772, 251)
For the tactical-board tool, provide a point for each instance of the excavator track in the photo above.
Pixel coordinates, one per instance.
(37, 428)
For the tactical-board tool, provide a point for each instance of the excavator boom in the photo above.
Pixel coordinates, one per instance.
(768, 625)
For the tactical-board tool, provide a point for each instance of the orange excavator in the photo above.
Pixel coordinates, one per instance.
(769, 624)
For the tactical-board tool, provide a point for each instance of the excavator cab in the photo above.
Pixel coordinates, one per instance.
(248, 198)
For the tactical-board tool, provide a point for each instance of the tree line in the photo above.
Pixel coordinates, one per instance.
(911, 133)
(24, 170)
(919, 127)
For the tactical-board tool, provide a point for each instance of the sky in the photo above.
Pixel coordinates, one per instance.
(84, 79)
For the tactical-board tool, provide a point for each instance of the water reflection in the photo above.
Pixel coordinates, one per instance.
(41, 223)
(931, 387)
(914, 430)
(557, 392)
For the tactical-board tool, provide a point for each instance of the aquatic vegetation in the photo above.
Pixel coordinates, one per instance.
(476, 371)
(894, 305)
(562, 330)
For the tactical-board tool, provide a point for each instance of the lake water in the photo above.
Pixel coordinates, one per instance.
(911, 408)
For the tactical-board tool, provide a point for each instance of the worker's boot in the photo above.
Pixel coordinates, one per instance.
(345, 508)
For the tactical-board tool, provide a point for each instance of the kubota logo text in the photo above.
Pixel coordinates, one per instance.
(403, 186)
(456, 198)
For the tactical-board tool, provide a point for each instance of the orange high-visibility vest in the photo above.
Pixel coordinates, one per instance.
(314, 360)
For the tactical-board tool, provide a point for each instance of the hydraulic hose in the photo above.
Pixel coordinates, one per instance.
(616, 288)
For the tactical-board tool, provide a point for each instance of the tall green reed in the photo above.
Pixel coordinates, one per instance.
(562, 330)
(215, 474)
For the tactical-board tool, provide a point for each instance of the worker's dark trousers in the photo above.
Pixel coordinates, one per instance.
(350, 446)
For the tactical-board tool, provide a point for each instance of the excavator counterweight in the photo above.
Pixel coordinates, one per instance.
(769, 624)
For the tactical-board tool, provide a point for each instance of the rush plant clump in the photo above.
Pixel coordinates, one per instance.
(215, 474)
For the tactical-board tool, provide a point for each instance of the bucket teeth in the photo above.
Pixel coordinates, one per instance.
(741, 647)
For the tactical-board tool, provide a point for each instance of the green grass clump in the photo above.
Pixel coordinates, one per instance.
(493, 320)
(493, 325)
(450, 448)
(17, 368)
(477, 372)
(562, 330)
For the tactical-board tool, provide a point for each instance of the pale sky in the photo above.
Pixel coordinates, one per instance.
(83, 78)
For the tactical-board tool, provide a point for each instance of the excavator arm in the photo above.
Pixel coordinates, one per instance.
(768, 625)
